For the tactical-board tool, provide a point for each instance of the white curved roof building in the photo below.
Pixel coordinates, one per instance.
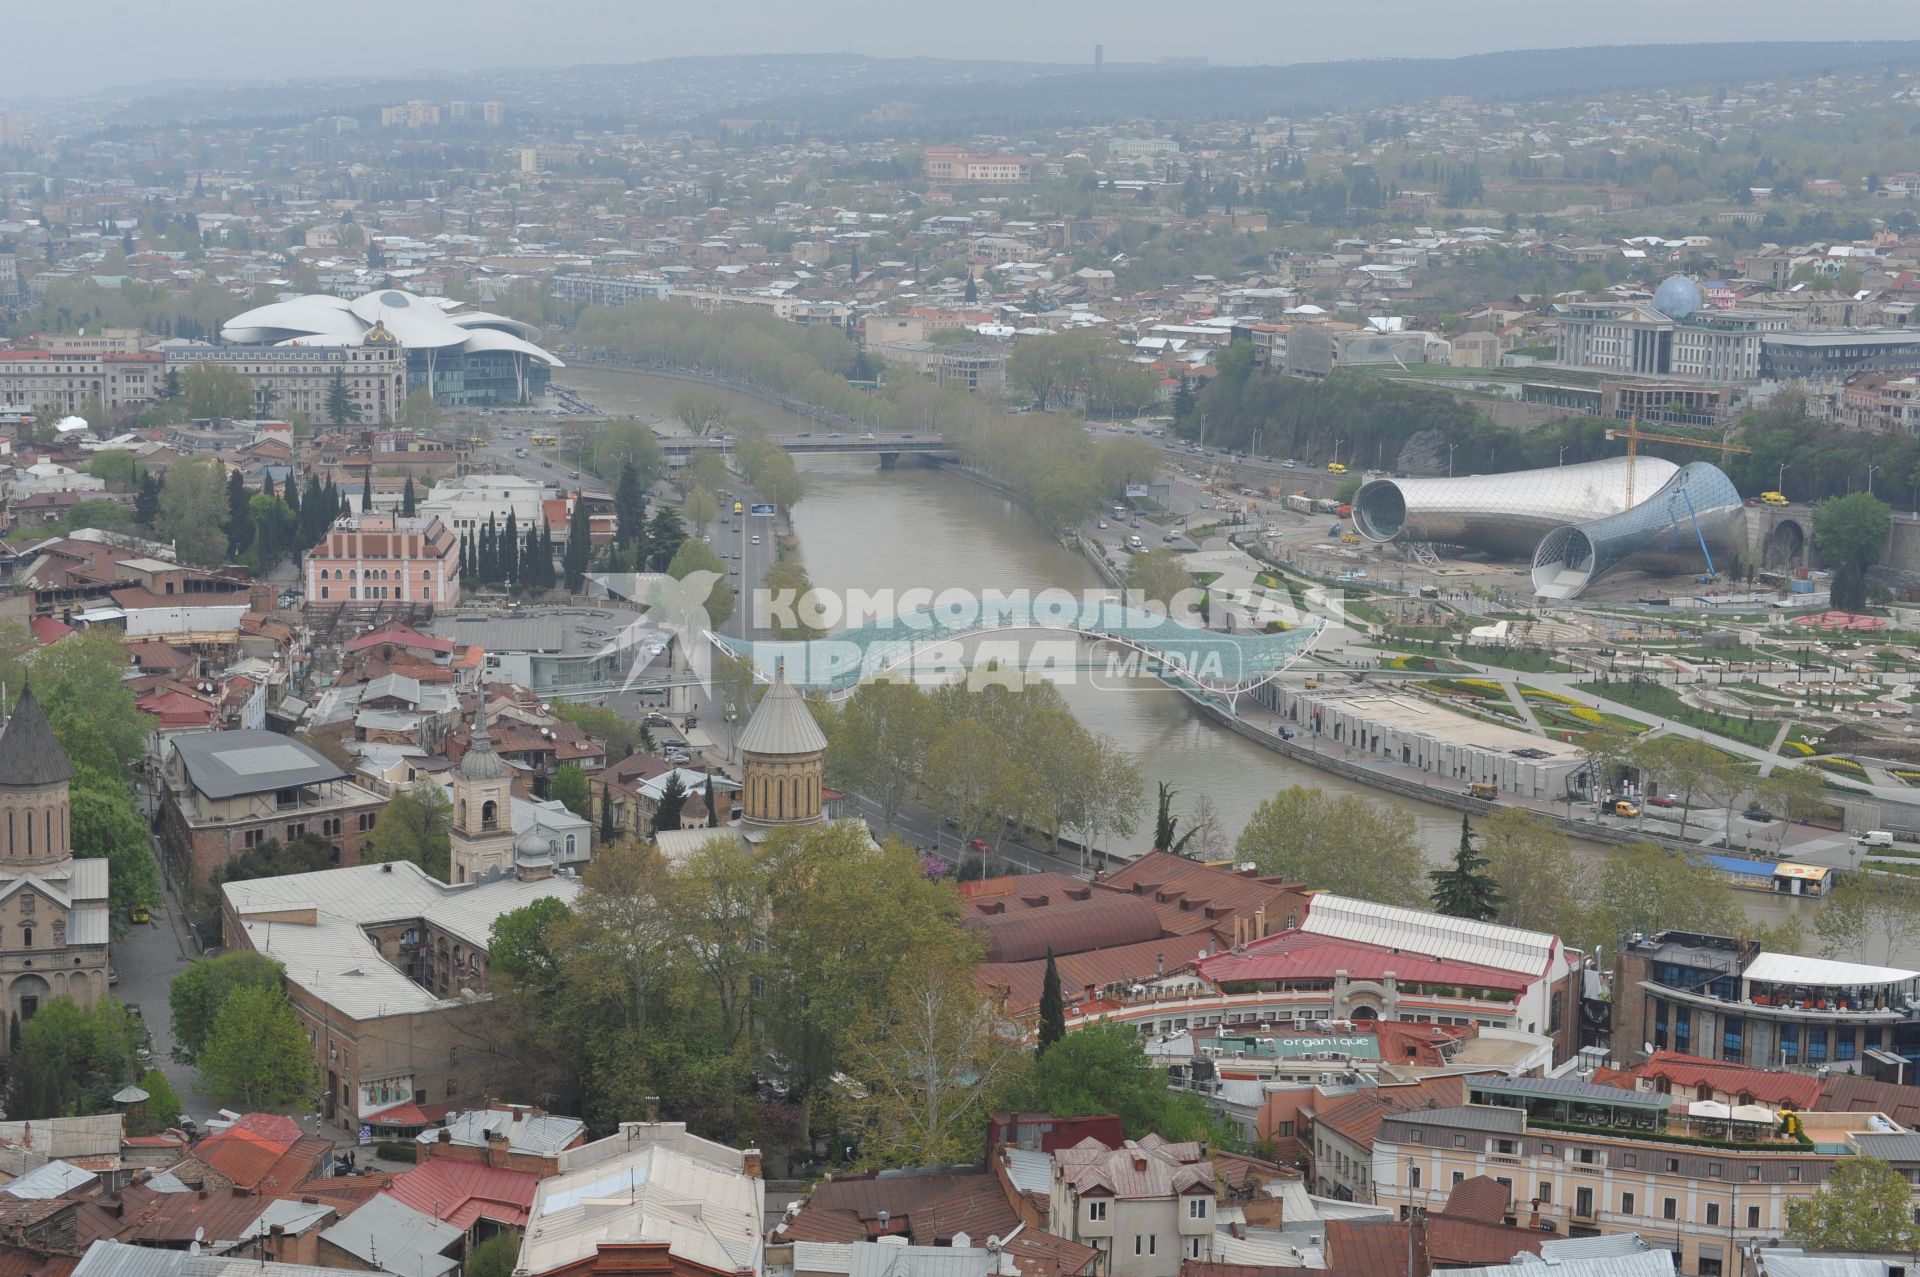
(467, 356)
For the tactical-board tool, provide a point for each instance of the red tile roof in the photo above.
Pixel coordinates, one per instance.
(1845, 1093)
(460, 1192)
(1063, 925)
(1482, 1197)
(1145, 1168)
(400, 636)
(1357, 1117)
(1453, 1242)
(1190, 896)
(1099, 968)
(1300, 955)
(1685, 1072)
(928, 1207)
(47, 630)
(1367, 1248)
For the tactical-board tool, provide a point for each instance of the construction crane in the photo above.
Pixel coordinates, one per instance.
(1633, 434)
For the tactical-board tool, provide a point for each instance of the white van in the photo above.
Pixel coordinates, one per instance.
(1874, 838)
(1135, 543)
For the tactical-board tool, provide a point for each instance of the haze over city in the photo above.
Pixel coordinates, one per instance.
(992, 640)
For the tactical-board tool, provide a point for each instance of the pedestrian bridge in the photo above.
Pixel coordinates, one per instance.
(927, 642)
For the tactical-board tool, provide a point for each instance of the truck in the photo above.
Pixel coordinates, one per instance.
(1299, 503)
(1326, 505)
(1483, 789)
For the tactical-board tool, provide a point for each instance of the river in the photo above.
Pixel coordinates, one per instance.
(862, 527)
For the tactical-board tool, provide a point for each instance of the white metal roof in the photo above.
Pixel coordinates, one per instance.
(1484, 943)
(1792, 968)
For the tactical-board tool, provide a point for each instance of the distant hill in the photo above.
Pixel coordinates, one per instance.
(850, 92)
(1128, 92)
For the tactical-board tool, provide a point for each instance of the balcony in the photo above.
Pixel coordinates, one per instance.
(1798, 1010)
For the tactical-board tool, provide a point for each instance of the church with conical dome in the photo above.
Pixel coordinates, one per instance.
(53, 908)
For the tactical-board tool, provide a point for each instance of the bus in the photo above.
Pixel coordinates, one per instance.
(546, 441)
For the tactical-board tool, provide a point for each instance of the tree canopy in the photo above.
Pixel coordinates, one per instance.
(257, 1055)
(1340, 843)
(1865, 1205)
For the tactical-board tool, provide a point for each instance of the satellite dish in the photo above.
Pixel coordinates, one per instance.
(199, 1234)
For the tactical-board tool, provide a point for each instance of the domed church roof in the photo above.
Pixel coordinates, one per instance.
(782, 724)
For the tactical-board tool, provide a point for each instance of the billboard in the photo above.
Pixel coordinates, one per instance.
(1136, 490)
(762, 509)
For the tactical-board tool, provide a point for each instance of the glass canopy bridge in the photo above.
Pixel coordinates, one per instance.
(1212, 665)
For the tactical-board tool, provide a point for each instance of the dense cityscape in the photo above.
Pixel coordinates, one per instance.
(813, 664)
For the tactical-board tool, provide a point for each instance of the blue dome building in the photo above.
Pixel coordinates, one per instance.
(1678, 297)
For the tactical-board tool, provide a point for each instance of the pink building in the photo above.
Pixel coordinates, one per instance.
(385, 558)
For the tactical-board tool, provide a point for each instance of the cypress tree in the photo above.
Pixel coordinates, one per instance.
(1053, 1007)
(579, 549)
(266, 483)
(606, 815)
(1465, 889)
(406, 498)
(366, 490)
(510, 551)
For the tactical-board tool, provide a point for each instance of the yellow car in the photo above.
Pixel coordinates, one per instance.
(139, 913)
(1624, 807)
(1773, 498)
(1335, 467)
(737, 507)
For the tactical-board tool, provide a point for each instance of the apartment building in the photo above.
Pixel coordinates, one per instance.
(1726, 999)
(1148, 1205)
(380, 961)
(610, 290)
(974, 365)
(1594, 1160)
(386, 558)
(947, 165)
(289, 379)
(224, 792)
(69, 380)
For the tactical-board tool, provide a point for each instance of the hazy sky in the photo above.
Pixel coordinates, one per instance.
(133, 41)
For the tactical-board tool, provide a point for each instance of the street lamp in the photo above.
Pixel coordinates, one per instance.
(1870, 470)
(1563, 454)
(1450, 448)
(1780, 479)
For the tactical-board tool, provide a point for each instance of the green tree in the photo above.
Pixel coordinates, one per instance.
(579, 554)
(569, 788)
(197, 993)
(415, 825)
(1543, 886)
(1869, 914)
(698, 508)
(420, 412)
(159, 1111)
(1797, 793)
(117, 468)
(1158, 576)
(1166, 835)
(257, 1055)
(1103, 1068)
(193, 509)
(931, 1066)
(844, 917)
(214, 390)
(620, 735)
(341, 409)
(1680, 765)
(1851, 533)
(697, 556)
(629, 505)
(1339, 843)
(879, 744)
(701, 411)
(107, 516)
(704, 469)
(663, 538)
(521, 942)
(673, 798)
(1053, 1007)
(407, 500)
(105, 824)
(495, 1257)
(1466, 889)
(78, 683)
(1647, 889)
(1865, 1205)
(717, 900)
(71, 1061)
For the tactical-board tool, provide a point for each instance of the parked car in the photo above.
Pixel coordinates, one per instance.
(979, 845)
(1662, 800)
(1758, 815)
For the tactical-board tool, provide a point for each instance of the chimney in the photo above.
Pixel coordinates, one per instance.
(751, 1156)
(496, 1148)
(444, 1137)
(653, 1108)
(203, 1194)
